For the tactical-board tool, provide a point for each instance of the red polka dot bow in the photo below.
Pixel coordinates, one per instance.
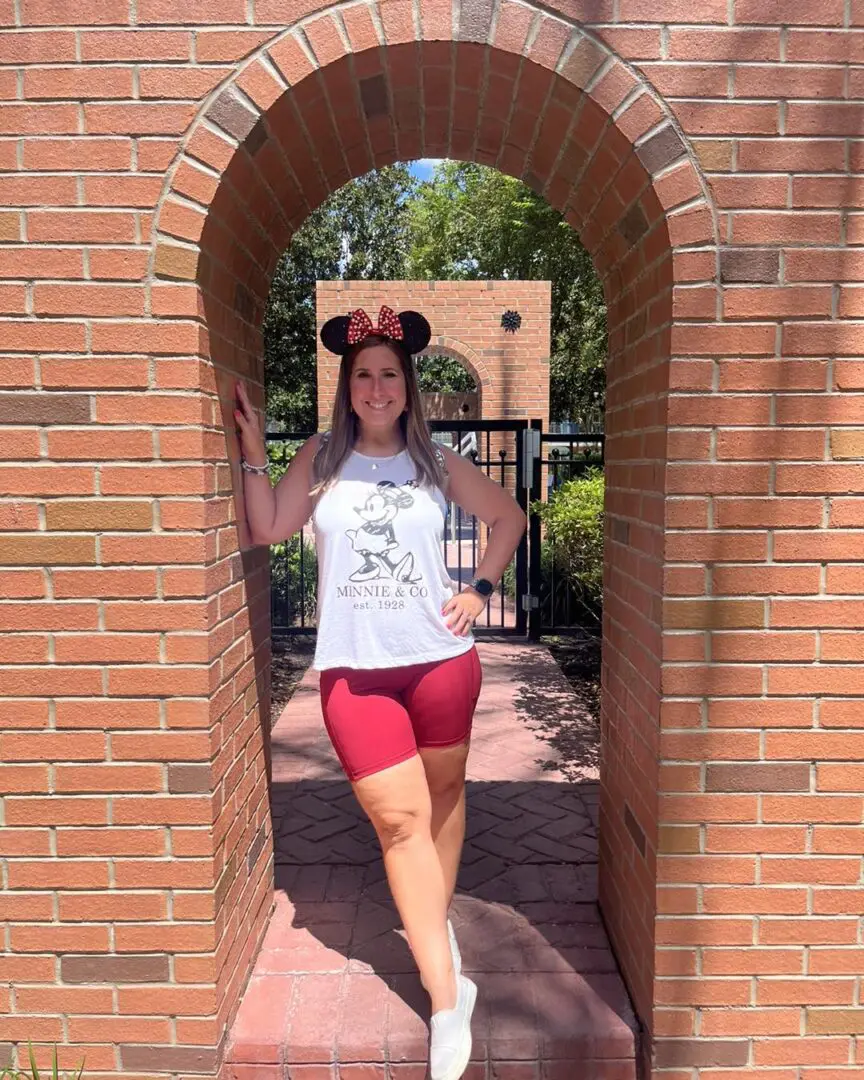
(360, 325)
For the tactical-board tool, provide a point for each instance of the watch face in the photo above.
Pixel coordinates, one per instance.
(482, 586)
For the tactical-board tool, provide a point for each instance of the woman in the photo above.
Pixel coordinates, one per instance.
(400, 675)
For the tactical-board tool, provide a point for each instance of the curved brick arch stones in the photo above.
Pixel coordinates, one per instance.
(542, 101)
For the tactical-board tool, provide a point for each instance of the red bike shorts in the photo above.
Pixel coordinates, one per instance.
(379, 718)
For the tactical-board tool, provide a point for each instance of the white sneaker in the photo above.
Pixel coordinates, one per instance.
(454, 949)
(450, 1034)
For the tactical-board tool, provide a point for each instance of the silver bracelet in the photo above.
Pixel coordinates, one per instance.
(257, 470)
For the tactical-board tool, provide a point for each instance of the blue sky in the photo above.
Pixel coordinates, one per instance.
(422, 169)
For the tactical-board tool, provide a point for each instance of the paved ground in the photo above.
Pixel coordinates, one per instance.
(335, 993)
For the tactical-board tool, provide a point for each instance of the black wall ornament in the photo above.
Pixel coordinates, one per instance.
(511, 321)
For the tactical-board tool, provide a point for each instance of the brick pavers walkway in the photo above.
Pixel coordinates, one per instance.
(335, 995)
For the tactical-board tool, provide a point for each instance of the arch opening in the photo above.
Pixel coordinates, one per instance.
(448, 386)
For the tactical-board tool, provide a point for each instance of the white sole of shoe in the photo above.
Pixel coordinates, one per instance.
(460, 1063)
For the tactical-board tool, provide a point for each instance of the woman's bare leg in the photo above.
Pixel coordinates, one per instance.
(445, 778)
(398, 803)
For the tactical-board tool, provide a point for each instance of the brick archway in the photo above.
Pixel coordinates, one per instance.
(582, 128)
(463, 354)
(136, 829)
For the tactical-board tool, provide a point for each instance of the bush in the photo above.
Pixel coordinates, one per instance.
(280, 452)
(33, 1074)
(294, 595)
(573, 542)
(510, 580)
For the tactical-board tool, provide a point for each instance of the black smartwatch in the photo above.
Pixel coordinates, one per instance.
(482, 586)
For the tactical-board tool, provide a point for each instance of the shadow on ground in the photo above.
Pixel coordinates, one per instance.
(335, 980)
(525, 914)
(563, 712)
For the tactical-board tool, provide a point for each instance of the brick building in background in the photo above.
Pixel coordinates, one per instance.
(510, 369)
(156, 158)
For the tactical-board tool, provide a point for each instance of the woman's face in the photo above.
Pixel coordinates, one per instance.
(377, 387)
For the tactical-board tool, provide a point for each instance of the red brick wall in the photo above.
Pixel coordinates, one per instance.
(511, 370)
(441, 406)
(153, 171)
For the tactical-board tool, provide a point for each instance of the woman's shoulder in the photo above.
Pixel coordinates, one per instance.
(304, 458)
(451, 458)
(308, 450)
(313, 446)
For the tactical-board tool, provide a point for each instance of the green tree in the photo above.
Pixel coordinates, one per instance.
(443, 374)
(361, 232)
(472, 222)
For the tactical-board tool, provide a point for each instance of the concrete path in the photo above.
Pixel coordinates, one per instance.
(335, 995)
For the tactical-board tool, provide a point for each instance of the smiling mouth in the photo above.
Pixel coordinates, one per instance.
(379, 406)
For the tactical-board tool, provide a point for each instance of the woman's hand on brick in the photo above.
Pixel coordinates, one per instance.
(251, 441)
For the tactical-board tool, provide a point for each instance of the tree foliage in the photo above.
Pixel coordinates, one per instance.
(362, 232)
(437, 373)
(471, 222)
(467, 222)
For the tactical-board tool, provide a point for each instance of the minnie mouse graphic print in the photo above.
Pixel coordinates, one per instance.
(382, 581)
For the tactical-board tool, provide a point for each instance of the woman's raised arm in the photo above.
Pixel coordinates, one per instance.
(273, 514)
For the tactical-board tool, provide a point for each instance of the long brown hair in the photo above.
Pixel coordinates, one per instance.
(343, 428)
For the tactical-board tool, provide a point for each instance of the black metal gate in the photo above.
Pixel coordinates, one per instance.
(533, 597)
(498, 448)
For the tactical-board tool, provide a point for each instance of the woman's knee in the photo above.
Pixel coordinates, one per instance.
(445, 770)
(397, 826)
(396, 801)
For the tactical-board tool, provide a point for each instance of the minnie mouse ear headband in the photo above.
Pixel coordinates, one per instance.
(409, 328)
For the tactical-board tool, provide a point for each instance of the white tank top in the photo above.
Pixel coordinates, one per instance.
(382, 580)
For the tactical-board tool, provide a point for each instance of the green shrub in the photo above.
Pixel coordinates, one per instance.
(510, 580)
(33, 1074)
(573, 542)
(280, 453)
(293, 592)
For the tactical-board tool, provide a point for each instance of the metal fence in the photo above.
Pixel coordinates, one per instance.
(496, 447)
(293, 564)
